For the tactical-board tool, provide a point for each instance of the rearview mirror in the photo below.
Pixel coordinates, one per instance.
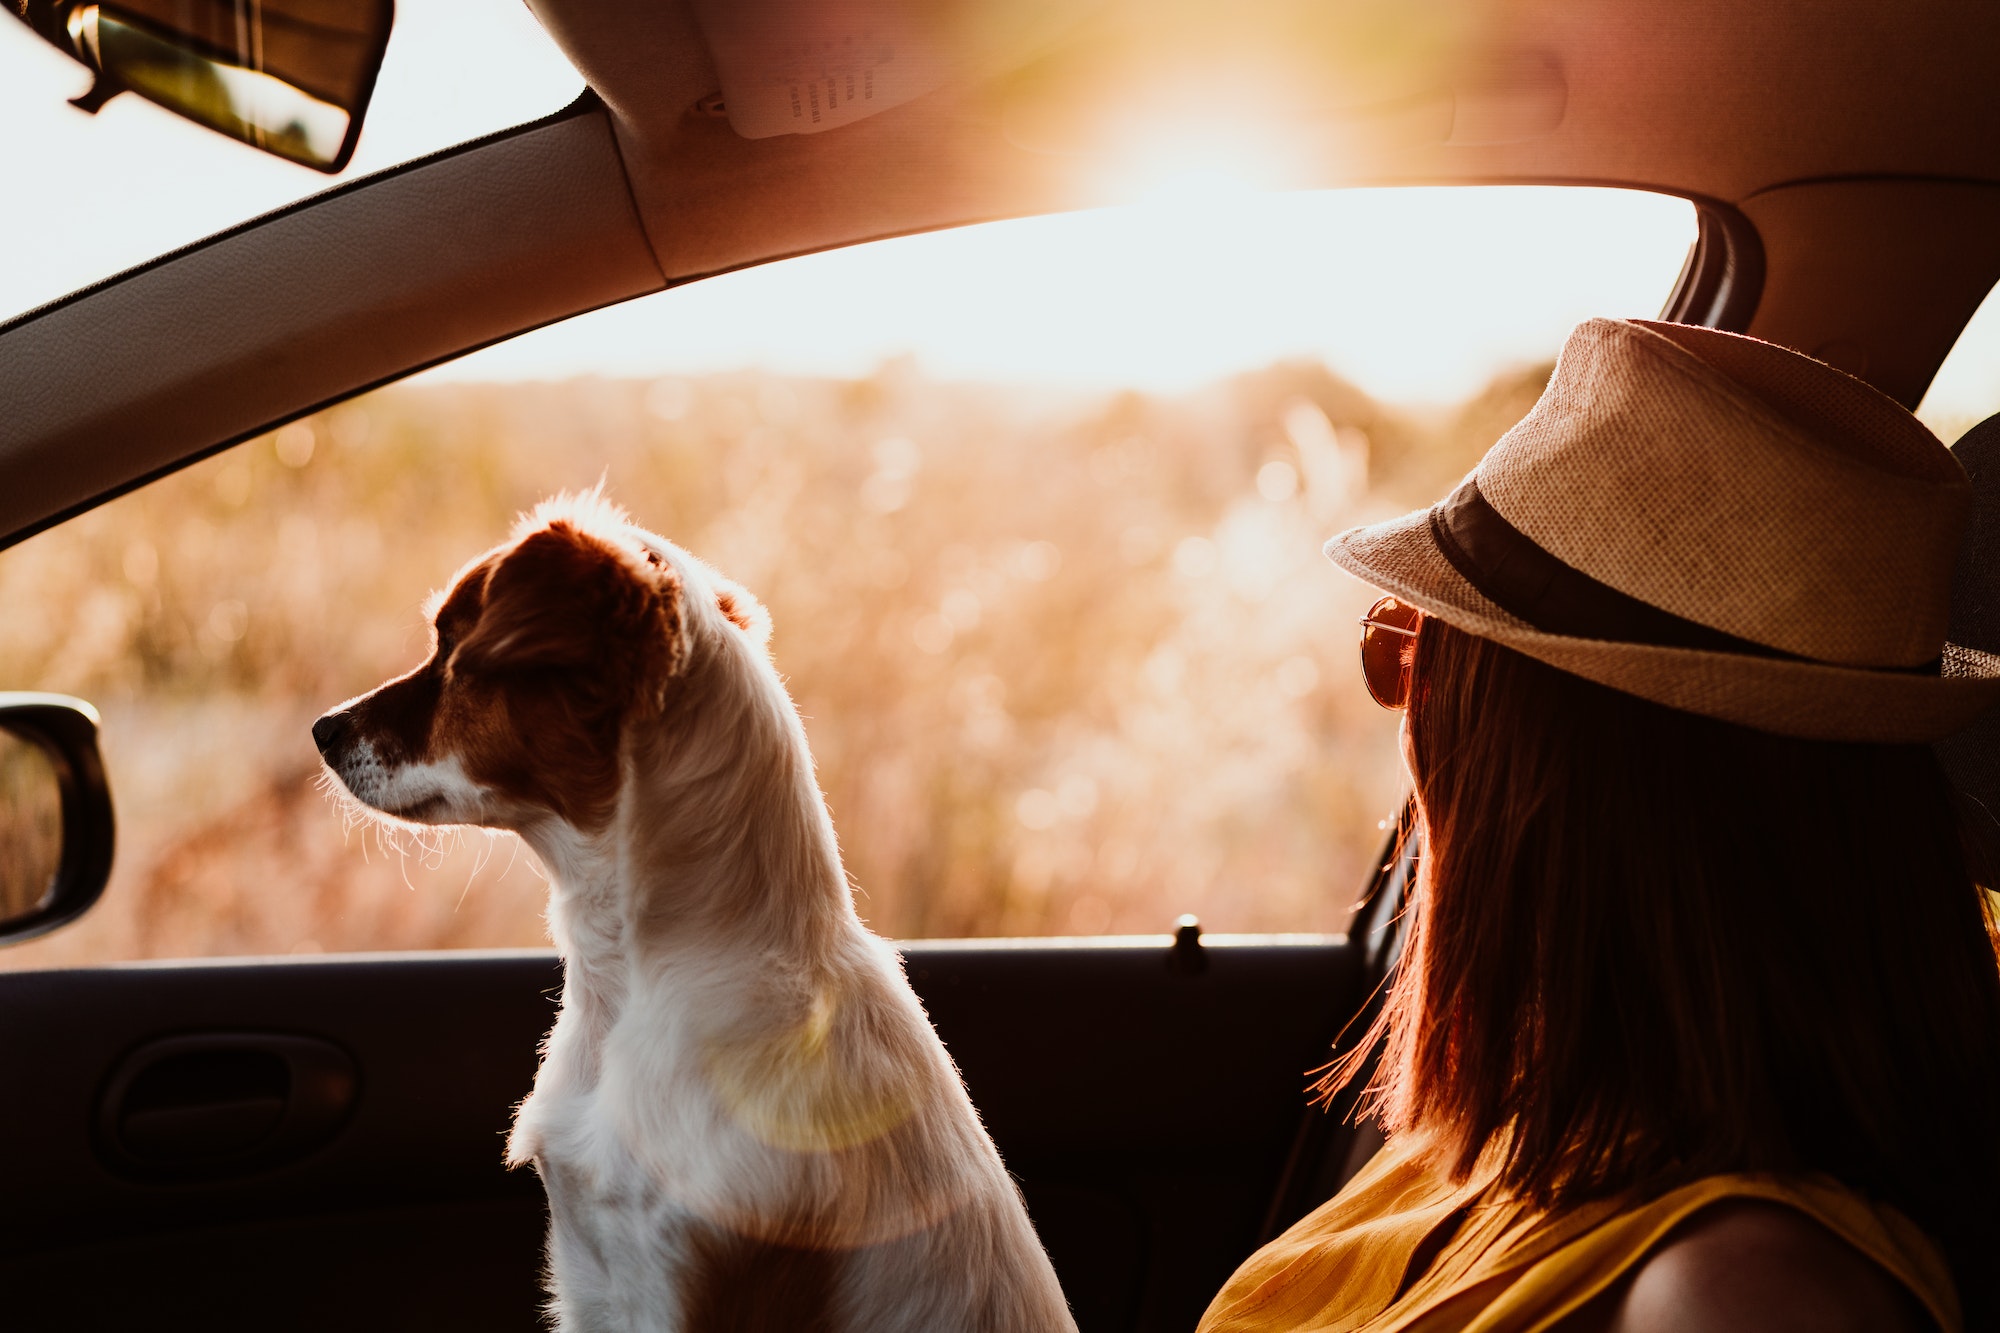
(291, 77)
(55, 814)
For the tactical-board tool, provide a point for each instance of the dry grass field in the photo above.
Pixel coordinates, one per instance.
(1070, 663)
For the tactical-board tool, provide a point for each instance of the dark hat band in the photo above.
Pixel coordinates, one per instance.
(1507, 566)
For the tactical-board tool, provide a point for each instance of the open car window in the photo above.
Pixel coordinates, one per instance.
(1036, 508)
(1966, 389)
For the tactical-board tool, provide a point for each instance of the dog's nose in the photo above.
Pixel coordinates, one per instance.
(329, 731)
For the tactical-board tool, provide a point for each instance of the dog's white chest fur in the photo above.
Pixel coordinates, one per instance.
(729, 1146)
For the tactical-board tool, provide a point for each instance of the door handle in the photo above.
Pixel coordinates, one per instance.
(223, 1103)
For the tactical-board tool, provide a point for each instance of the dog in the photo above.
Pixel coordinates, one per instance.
(742, 1118)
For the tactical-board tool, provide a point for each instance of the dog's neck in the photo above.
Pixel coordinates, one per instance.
(721, 844)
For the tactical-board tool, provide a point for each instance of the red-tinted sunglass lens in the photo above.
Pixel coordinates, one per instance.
(1387, 634)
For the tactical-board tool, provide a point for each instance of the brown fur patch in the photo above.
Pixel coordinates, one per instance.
(735, 1284)
(726, 599)
(396, 719)
(544, 649)
(743, 610)
(574, 635)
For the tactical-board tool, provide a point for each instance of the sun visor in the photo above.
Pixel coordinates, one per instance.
(805, 66)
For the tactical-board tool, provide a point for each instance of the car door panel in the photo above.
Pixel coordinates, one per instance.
(1146, 1096)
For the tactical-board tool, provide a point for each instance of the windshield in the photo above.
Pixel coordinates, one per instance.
(134, 181)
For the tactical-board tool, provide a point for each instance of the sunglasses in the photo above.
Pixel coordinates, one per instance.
(1388, 633)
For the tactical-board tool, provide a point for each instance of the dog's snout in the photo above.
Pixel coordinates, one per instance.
(329, 731)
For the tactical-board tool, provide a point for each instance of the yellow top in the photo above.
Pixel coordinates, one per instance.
(1479, 1265)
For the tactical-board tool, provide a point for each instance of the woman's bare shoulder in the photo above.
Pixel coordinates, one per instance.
(1757, 1265)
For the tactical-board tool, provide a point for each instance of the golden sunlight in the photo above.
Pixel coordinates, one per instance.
(1415, 295)
(1201, 172)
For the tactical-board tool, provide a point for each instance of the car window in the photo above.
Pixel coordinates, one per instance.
(1966, 390)
(1036, 508)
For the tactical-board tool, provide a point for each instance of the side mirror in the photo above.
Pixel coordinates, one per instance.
(55, 814)
(291, 77)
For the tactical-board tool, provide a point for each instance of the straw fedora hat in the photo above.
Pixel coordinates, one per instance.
(1716, 524)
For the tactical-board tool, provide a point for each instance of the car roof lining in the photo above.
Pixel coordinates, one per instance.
(1865, 238)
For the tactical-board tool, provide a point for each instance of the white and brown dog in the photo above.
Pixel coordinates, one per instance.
(742, 1118)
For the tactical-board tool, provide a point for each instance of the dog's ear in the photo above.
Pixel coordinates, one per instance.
(567, 599)
(742, 609)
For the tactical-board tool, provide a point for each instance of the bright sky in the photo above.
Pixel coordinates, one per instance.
(1413, 294)
(1416, 295)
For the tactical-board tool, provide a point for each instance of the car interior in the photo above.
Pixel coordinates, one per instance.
(275, 1142)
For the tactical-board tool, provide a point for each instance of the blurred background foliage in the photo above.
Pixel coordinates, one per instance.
(1071, 663)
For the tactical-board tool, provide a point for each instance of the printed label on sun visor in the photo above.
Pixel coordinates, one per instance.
(803, 66)
(800, 68)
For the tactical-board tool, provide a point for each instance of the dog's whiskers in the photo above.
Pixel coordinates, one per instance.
(429, 845)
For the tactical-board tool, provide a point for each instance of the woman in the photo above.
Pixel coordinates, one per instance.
(1697, 1024)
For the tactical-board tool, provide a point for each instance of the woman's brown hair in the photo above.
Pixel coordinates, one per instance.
(1647, 947)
